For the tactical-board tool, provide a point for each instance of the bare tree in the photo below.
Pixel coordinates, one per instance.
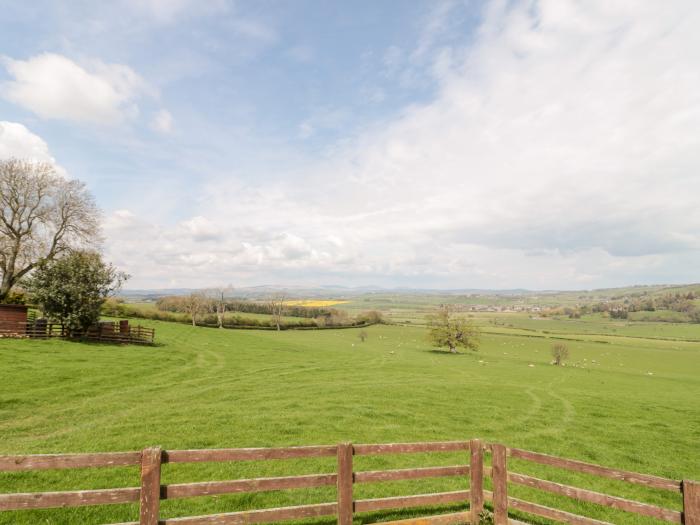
(218, 302)
(278, 306)
(560, 353)
(42, 215)
(195, 304)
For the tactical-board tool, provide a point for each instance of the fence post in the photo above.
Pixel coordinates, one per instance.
(150, 486)
(499, 474)
(476, 485)
(345, 480)
(691, 502)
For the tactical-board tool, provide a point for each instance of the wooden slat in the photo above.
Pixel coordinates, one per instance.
(150, 486)
(345, 503)
(63, 461)
(691, 502)
(454, 518)
(76, 498)
(257, 516)
(372, 476)
(590, 496)
(403, 448)
(476, 483)
(419, 500)
(500, 485)
(246, 454)
(646, 480)
(552, 514)
(210, 488)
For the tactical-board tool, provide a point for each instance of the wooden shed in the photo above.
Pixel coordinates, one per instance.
(13, 319)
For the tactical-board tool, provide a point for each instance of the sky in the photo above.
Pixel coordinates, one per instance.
(549, 144)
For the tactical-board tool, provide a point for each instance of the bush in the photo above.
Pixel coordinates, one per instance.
(72, 289)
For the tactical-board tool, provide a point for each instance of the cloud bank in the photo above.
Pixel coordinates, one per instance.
(561, 151)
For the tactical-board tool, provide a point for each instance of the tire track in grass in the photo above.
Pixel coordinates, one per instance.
(532, 412)
(567, 416)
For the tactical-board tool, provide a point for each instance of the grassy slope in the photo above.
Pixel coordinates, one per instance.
(212, 388)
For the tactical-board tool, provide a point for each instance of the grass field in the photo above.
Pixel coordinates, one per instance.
(633, 403)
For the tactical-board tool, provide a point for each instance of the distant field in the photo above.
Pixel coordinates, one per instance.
(631, 402)
(315, 303)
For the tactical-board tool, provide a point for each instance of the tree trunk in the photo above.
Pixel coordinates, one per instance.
(6, 286)
(453, 350)
(4, 290)
(193, 320)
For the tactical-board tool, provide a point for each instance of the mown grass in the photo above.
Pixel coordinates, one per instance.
(203, 388)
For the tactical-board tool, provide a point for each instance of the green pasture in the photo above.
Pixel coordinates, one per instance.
(625, 400)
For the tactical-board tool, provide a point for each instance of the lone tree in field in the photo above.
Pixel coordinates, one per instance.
(448, 331)
(42, 216)
(278, 307)
(72, 289)
(560, 353)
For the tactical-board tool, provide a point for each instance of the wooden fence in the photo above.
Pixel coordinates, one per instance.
(150, 492)
(104, 331)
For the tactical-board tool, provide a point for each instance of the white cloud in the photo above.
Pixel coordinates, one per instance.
(562, 150)
(18, 142)
(163, 122)
(55, 87)
(200, 229)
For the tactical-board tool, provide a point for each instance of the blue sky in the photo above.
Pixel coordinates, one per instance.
(540, 144)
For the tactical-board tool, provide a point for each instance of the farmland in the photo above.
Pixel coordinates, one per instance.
(630, 402)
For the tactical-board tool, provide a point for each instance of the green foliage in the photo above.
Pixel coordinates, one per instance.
(15, 296)
(449, 331)
(72, 289)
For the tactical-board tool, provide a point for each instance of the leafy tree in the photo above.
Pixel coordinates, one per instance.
(560, 353)
(446, 330)
(72, 289)
(42, 216)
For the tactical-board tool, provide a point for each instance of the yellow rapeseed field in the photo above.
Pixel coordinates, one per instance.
(314, 303)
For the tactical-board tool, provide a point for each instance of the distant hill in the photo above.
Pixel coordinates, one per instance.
(339, 292)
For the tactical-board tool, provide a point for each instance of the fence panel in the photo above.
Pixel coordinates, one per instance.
(151, 491)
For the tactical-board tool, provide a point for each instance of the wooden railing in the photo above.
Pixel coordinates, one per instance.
(109, 331)
(150, 492)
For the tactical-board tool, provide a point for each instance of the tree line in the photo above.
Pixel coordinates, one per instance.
(177, 304)
(212, 308)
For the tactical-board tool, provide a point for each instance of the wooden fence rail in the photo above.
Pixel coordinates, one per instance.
(104, 331)
(151, 491)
